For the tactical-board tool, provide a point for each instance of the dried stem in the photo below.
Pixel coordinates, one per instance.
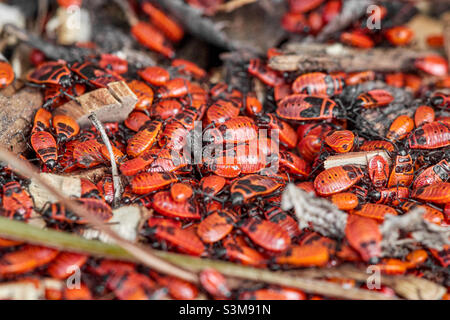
(145, 256)
(115, 173)
(70, 242)
(233, 5)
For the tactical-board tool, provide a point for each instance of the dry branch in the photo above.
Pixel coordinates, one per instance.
(117, 185)
(321, 57)
(70, 242)
(355, 158)
(112, 104)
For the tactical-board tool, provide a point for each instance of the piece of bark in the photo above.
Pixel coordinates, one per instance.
(125, 222)
(111, 104)
(446, 20)
(69, 186)
(321, 57)
(16, 115)
(354, 158)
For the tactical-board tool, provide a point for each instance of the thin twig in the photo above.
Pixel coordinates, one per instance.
(115, 173)
(141, 254)
(66, 241)
(233, 5)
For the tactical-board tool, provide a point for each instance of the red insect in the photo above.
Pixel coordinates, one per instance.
(318, 84)
(78, 293)
(235, 130)
(160, 20)
(6, 74)
(304, 256)
(144, 94)
(373, 99)
(16, 201)
(377, 145)
(51, 73)
(433, 64)
(181, 192)
(148, 182)
(440, 172)
(95, 75)
(166, 206)
(374, 211)
(340, 141)
(359, 77)
(294, 164)
(188, 67)
(178, 289)
(337, 179)
(65, 264)
(400, 128)
(430, 136)
(345, 200)
(273, 293)
(214, 283)
(431, 214)
(41, 120)
(424, 114)
(152, 38)
(144, 138)
(250, 186)
(303, 107)
(264, 73)
(436, 193)
(65, 127)
(169, 231)
(440, 100)
(89, 189)
(295, 22)
(87, 154)
(106, 188)
(236, 250)
(113, 62)
(399, 35)
(364, 236)
(166, 109)
(58, 214)
(330, 10)
(155, 75)
(44, 145)
(174, 88)
(284, 220)
(266, 234)
(357, 39)
(252, 105)
(301, 6)
(391, 196)
(25, 259)
(403, 171)
(286, 133)
(216, 226)
(212, 185)
(221, 110)
(442, 256)
(378, 171)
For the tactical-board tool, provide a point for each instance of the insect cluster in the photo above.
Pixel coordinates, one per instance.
(227, 205)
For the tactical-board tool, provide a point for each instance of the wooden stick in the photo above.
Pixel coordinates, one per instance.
(70, 242)
(117, 185)
(321, 57)
(355, 158)
(446, 32)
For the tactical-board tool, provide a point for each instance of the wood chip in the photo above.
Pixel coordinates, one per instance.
(16, 114)
(125, 222)
(69, 186)
(355, 158)
(95, 175)
(112, 104)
